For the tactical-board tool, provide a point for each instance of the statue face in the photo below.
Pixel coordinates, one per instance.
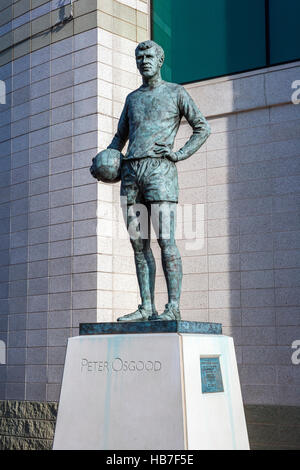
(148, 62)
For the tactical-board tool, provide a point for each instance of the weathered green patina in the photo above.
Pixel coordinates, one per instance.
(168, 326)
(150, 120)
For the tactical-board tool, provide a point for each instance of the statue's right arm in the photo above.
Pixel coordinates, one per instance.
(122, 133)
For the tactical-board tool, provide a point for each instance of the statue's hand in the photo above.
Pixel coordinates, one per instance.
(164, 151)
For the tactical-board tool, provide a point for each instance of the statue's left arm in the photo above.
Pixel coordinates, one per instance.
(201, 129)
(200, 126)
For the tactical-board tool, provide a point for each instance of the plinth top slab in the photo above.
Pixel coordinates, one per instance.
(169, 326)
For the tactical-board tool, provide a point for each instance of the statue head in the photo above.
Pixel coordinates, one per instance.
(149, 58)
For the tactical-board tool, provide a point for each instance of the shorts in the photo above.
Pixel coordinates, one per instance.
(149, 179)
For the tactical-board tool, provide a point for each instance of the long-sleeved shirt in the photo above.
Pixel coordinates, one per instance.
(152, 116)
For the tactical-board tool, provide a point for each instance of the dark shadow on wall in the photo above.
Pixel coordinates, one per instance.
(5, 180)
(18, 232)
(262, 179)
(249, 203)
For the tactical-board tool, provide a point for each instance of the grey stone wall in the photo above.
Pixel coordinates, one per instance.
(246, 275)
(272, 427)
(30, 426)
(27, 425)
(46, 252)
(65, 88)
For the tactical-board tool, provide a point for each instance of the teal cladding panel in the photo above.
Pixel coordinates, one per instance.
(284, 18)
(204, 39)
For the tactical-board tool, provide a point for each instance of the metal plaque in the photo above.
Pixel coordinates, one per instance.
(211, 376)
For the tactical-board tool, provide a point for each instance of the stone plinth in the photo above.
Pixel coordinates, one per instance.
(173, 389)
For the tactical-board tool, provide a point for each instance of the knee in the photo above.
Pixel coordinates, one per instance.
(166, 244)
(139, 245)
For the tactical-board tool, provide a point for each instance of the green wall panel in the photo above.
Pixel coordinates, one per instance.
(205, 39)
(162, 32)
(284, 19)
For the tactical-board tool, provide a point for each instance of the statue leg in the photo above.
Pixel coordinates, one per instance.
(172, 267)
(170, 256)
(145, 267)
(145, 271)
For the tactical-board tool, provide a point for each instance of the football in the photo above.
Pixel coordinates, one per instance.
(106, 166)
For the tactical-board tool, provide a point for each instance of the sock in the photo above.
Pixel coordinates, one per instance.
(172, 266)
(145, 270)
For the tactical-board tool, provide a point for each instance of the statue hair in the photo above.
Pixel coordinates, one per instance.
(147, 45)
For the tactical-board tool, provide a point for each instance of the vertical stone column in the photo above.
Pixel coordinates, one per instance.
(121, 26)
(66, 84)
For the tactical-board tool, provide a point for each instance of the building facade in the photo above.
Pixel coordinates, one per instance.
(65, 70)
